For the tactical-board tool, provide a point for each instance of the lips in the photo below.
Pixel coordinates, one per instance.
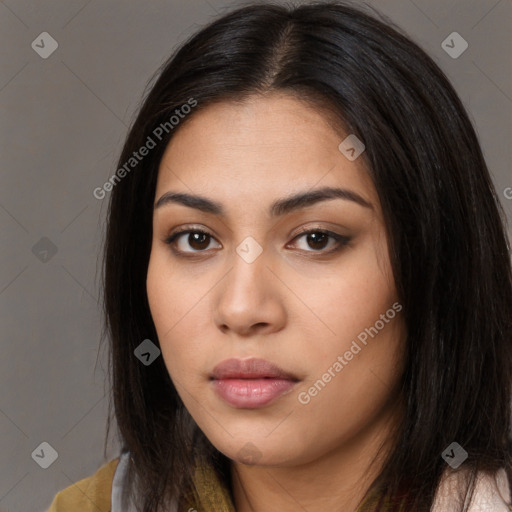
(250, 383)
(249, 369)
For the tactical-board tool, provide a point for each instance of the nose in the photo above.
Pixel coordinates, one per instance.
(250, 298)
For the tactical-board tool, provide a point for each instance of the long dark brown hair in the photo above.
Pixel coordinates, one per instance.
(445, 226)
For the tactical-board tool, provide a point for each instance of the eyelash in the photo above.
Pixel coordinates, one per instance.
(341, 241)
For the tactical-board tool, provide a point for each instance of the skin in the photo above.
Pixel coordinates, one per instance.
(295, 305)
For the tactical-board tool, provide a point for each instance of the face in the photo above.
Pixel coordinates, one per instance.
(237, 272)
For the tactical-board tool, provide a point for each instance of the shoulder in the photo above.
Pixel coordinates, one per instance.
(90, 494)
(492, 493)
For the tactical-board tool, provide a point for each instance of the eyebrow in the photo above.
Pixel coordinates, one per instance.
(278, 208)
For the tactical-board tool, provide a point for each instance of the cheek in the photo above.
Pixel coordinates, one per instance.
(348, 301)
(361, 326)
(175, 304)
(171, 293)
(161, 297)
(349, 382)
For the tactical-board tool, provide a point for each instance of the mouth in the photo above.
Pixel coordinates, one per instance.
(250, 383)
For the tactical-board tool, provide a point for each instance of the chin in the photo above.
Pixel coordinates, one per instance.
(259, 452)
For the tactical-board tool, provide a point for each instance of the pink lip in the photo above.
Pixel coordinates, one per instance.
(250, 383)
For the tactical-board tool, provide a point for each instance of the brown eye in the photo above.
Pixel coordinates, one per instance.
(317, 240)
(197, 241)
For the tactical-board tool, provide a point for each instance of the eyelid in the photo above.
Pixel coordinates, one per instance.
(190, 228)
(341, 240)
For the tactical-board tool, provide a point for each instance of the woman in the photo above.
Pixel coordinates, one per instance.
(308, 289)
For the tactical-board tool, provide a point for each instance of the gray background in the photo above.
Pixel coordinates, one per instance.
(63, 120)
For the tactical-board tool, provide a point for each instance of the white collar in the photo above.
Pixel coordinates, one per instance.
(117, 484)
(118, 488)
(490, 494)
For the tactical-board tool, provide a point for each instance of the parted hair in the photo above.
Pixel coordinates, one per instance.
(445, 226)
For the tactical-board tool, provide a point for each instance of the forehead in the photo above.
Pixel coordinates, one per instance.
(261, 147)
